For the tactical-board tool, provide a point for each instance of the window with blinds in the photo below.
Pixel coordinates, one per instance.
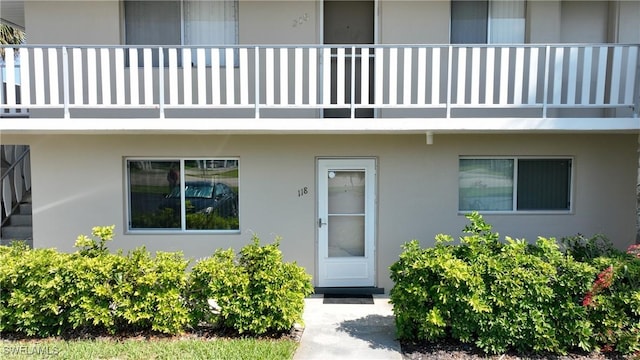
(514, 184)
(181, 22)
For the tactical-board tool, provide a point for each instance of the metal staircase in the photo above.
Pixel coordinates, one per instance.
(15, 188)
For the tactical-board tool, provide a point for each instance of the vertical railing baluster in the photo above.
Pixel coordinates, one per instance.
(422, 76)
(379, 76)
(503, 96)
(10, 77)
(256, 81)
(313, 76)
(244, 76)
(173, 76)
(297, 73)
(393, 76)
(187, 79)
(78, 87)
(545, 92)
(364, 76)
(119, 68)
(585, 98)
(449, 80)
(601, 76)
(105, 68)
(352, 95)
(533, 76)
(616, 70)
(65, 81)
(134, 82)
(215, 77)
(408, 72)
(475, 75)
(54, 96)
(147, 64)
(270, 77)
(630, 77)
(326, 76)
(25, 83)
(435, 75)
(161, 99)
(229, 66)
(201, 76)
(490, 77)
(92, 82)
(284, 76)
(572, 80)
(340, 76)
(518, 76)
(461, 70)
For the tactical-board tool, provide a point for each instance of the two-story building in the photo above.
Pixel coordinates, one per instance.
(345, 127)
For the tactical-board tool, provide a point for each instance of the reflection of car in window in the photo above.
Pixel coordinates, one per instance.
(204, 197)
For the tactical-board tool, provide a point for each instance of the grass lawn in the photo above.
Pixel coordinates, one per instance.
(214, 348)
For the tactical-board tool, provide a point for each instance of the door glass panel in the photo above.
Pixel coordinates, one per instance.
(346, 192)
(346, 236)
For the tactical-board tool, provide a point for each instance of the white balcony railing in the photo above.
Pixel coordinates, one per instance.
(253, 80)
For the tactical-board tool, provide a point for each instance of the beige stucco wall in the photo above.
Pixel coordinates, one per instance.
(73, 22)
(278, 22)
(78, 182)
(414, 22)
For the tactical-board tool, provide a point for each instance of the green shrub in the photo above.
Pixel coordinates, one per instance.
(256, 291)
(35, 290)
(514, 295)
(46, 293)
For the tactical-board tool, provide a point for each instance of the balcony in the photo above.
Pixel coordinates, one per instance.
(377, 87)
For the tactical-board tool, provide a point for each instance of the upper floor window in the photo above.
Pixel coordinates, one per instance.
(487, 21)
(181, 22)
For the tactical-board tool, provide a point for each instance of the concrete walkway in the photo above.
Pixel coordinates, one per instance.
(348, 331)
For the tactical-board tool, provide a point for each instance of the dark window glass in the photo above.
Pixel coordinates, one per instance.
(543, 184)
(469, 22)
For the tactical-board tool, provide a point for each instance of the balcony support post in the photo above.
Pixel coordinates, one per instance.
(65, 81)
(160, 82)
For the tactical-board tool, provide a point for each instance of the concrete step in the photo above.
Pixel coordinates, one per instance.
(25, 208)
(21, 220)
(17, 232)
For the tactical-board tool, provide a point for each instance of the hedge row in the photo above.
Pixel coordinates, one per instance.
(48, 293)
(513, 295)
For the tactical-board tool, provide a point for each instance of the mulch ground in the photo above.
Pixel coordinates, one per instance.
(455, 351)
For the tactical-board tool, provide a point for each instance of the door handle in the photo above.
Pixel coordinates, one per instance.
(320, 223)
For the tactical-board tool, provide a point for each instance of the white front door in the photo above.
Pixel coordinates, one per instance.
(346, 223)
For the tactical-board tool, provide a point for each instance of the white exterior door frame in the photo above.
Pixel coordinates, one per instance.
(346, 222)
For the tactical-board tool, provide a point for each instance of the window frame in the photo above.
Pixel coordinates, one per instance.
(514, 206)
(181, 25)
(488, 24)
(183, 221)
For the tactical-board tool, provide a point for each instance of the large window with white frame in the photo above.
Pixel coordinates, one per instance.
(182, 194)
(514, 184)
(488, 21)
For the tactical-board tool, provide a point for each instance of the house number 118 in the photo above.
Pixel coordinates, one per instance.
(303, 191)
